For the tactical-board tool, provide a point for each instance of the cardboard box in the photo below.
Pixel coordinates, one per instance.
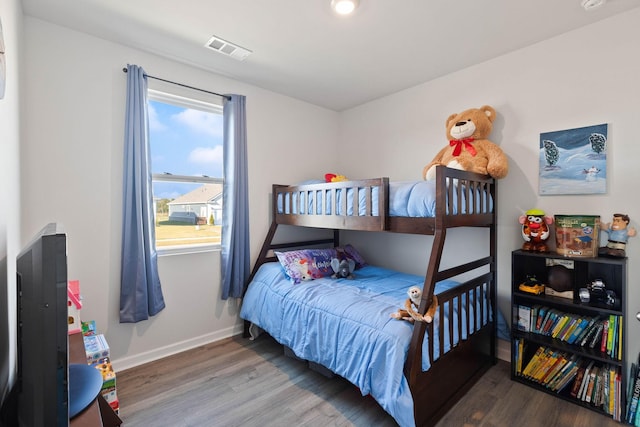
(577, 235)
(89, 328)
(96, 348)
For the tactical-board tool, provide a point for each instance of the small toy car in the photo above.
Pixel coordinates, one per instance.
(531, 286)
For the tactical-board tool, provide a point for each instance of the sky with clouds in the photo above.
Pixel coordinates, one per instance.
(183, 142)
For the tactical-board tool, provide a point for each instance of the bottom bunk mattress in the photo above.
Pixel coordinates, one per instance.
(345, 325)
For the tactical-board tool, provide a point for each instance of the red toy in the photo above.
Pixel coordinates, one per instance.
(535, 230)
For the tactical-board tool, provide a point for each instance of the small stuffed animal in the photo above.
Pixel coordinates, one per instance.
(302, 266)
(469, 149)
(411, 305)
(535, 230)
(342, 269)
(332, 177)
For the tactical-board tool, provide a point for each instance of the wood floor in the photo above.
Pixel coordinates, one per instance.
(238, 382)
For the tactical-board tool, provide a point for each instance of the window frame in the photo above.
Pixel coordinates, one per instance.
(191, 103)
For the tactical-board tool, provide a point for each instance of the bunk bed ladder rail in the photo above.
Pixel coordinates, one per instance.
(462, 199)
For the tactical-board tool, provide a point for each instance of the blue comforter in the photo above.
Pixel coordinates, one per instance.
(345, 326)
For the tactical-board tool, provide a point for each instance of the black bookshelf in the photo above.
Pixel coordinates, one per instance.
(550, 358)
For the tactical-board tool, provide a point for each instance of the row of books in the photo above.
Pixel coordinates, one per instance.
(583, 379)
(602, 332)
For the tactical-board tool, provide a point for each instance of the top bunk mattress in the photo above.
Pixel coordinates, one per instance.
(414, 199)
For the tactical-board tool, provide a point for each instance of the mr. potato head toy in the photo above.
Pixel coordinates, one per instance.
(535, 230)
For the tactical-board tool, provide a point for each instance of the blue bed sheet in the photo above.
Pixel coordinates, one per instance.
(345, 325)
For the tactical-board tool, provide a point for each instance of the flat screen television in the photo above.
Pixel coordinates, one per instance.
(42, 338)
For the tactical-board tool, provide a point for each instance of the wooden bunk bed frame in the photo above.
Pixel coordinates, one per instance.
(436, 390)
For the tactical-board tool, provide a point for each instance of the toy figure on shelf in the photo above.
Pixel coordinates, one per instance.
(619, 232)
(535, 230)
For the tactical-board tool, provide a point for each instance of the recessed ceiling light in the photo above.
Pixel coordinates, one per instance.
(592, 4)
(344, 7)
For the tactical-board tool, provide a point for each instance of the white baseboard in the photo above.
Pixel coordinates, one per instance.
(158, 353)
(504, 350)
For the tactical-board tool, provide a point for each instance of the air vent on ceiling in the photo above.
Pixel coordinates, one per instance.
(227, 48)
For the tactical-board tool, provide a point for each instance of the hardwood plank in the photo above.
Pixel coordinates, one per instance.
(238, 382)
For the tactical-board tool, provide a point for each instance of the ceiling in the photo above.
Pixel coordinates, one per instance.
(303, 50)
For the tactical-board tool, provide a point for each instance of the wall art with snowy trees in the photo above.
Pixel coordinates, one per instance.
(574, 161)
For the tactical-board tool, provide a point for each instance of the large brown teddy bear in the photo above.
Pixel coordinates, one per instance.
(469, 149)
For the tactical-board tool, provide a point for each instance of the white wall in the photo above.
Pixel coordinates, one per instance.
(582, 78)
(72, 167)
(11, 15)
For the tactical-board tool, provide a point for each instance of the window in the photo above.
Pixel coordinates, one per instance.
(185, 136)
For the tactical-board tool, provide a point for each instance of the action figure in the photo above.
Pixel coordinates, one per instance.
(619, 232)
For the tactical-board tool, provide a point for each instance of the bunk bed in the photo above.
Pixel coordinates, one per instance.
(440, 360)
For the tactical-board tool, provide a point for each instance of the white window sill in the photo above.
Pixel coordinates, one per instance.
(185, 250)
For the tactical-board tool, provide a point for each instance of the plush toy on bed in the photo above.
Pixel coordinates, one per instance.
(468, 148)
(411, 305)
(343, 269)
(332, 177)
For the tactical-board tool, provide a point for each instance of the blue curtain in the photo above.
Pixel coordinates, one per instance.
(235, 210)
(140, 292)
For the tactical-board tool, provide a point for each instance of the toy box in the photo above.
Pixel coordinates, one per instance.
(95, 347)
(577, 235)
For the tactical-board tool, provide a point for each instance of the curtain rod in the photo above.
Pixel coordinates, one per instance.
(228, 98)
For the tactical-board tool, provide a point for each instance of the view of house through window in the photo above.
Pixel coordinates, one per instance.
(186, 165)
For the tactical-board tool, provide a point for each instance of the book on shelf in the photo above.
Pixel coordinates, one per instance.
(617, 406)
(569, 328)
(600, 331)
(605, 336)
(612, 392)
(584, 322)
(586, 329)
(560, 326)
(566, 379)
(578, 382)
(588, 393)
(524, 318)
(532, 362)
(633, 394)
(563, 373)
(551, 318)
(560, 362)
(547, 365)
(585, 380)
(619, 346)
(541, 360)
(611, 333)
(519, 353)
(591, 331)
(542, 313)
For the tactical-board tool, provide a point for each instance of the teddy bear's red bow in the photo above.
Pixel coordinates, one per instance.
(458, 146)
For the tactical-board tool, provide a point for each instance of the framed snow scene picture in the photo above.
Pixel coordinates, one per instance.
(574, 161)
